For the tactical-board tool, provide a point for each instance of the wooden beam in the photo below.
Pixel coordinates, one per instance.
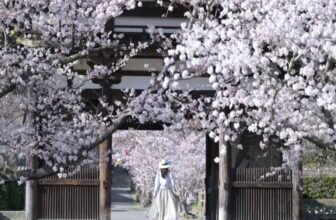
(152, 9)
(94, 94)
(237, 184)
(69, 182)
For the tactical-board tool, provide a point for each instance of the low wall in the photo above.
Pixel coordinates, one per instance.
(319, 171)
(12, 215)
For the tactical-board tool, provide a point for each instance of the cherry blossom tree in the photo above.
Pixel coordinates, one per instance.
(42, 112)
(43, 115)
(272, 66)
(270, 63)
(145, 149)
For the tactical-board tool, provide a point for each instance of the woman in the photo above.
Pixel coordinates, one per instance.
(165, 202)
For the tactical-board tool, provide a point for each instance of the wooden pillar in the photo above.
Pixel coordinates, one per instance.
(32, 163)
(105, 165)
(211, 180)
(105, 180)
(31, 198)
(224, 181)
(297, 195)
(208, 165)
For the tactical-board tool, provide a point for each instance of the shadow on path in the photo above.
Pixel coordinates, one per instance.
(121, 195)
(123, 205)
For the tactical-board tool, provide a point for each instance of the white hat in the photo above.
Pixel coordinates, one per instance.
(164, 164)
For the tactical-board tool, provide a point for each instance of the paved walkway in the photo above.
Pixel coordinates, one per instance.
(123, 207)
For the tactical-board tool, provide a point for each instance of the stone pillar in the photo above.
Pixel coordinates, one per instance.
(297, 195)
(31, 198)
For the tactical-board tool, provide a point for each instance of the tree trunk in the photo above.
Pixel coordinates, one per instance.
(31, 199)
(185, 209)
(224, 187)
(297, 196)
(105, 180)
(132, 187)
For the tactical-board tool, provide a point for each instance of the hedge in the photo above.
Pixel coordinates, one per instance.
(12, 196)
(319, 187)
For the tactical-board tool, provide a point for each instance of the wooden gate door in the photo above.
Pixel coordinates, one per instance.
(70, 198)
(261, 194)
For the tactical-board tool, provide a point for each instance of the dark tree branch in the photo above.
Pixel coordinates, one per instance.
(329, 118)
(320, 143)
(7, 89)
(86, 54)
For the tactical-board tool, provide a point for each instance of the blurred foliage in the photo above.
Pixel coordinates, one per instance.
(319, 157)
(319, 187)
(12, 196)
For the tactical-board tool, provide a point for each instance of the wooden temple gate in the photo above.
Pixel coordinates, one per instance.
(75, 197)
(81, 196)
(259, 194)
(253, 198)
(256, 193)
